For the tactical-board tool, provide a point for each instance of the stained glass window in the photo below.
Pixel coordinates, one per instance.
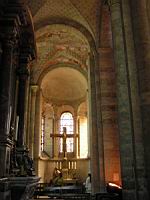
(66, 120)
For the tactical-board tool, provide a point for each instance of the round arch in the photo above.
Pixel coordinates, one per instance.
(72, 23)
(51, 67)
(94, 85)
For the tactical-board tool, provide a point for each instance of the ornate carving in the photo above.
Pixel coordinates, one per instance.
(21, 163)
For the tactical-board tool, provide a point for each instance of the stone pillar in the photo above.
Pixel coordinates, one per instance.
(97, 157)
(37, 138)
(34, 89)
(131, 149)
(21, 107)
(99, 123)
(75, 132)
(28, 118)
(108, 99)
(6, 73)
(56, 131)
(93, 133)
(142, 43)
(78, 132)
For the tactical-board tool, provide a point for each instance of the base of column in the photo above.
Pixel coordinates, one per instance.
(5, 151)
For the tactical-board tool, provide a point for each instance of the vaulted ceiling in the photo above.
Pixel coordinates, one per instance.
(85, 12)
(55, 86)
(62, 50)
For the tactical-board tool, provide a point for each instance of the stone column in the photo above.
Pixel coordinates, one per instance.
(28, 118)
(23, 74)
(75, 132)
(34, 89)
(56, 131)
(97, 157)
(78, 132)
(6, 73)
(141, 29)
(99, 123)
(131, 149)
(37, 135)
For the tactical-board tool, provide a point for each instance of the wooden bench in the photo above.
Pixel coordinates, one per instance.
(70, 196)
(43, 189)
(64, 189)
(71, 192)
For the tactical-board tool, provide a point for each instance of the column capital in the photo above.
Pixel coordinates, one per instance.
(34, 89)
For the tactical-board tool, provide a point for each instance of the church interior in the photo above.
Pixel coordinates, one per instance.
(75, 96)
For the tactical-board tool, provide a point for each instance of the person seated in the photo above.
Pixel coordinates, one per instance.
(58, 180)
(56, 172)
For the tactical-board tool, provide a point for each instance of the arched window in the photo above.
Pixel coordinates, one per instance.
(66, 120)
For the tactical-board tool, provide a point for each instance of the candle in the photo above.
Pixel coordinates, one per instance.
(75, 165)
(69, 164)
(57, 164)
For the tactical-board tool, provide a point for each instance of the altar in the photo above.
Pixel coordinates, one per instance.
(70, 181)
(67, 166)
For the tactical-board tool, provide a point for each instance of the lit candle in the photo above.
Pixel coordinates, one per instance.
(60, 165)
(69, 164)
(75, 165)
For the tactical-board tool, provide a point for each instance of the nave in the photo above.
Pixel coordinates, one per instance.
(74, 96)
